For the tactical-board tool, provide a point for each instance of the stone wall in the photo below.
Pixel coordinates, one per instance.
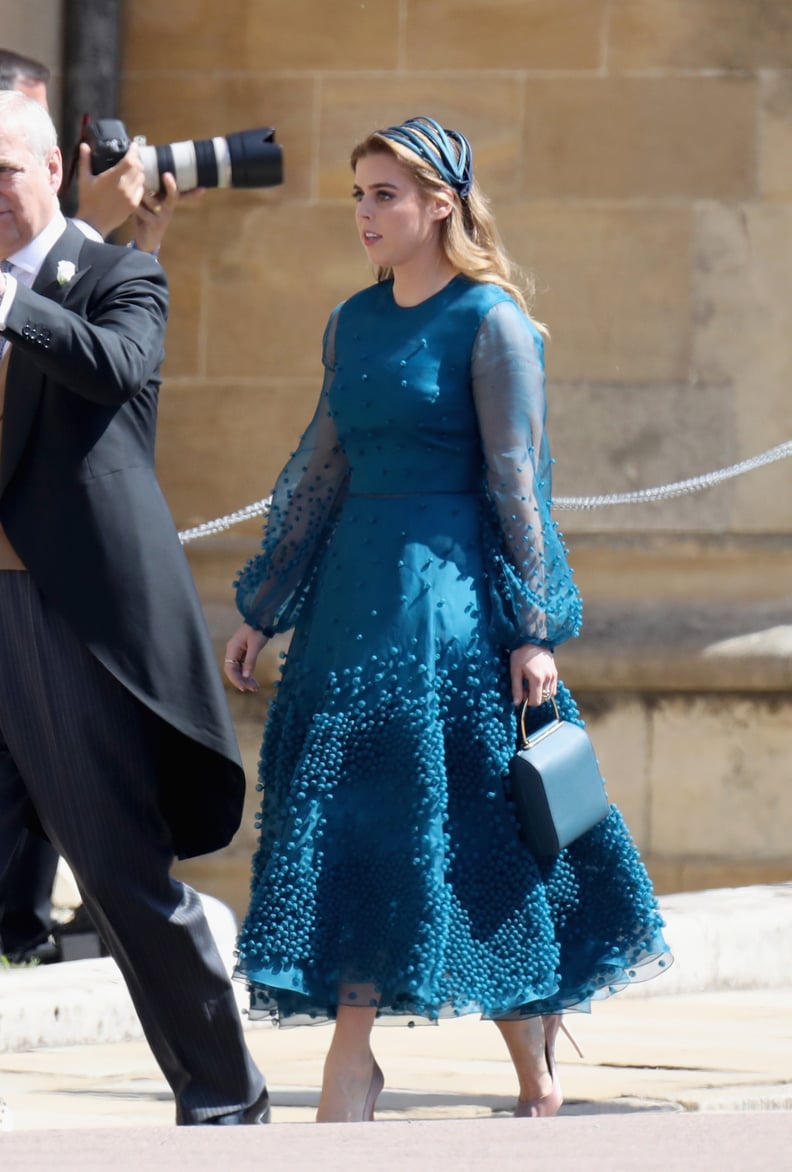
(639, 157)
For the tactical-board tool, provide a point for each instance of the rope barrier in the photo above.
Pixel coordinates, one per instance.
(640, 496)
(679, 487)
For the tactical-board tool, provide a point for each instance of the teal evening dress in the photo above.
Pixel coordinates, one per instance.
(410, 545)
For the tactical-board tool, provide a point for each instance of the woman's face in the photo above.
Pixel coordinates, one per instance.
(397, 220)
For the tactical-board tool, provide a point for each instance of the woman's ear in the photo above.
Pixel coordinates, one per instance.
(442, 205)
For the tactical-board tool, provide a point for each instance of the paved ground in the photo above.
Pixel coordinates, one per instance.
(703, 1053)
(689, 1082)
(682, 1080)
(646, 1143)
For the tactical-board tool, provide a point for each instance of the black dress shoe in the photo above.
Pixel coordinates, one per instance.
(259, 1113)
(30, 956)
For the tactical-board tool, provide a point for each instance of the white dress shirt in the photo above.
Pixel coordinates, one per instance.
(27, 262)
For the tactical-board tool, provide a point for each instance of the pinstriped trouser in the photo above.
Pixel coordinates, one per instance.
(83, 751)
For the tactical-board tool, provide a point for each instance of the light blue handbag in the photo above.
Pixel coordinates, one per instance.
(556, 785)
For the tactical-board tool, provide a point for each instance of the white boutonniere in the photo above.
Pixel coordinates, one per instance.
(66, 270)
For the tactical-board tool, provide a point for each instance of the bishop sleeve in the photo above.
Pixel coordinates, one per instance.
(534, 598)
(271, 588)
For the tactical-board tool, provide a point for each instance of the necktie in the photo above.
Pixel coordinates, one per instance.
(5, 267)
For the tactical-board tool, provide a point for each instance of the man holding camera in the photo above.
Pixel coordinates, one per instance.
(114, 730)
(106, 201)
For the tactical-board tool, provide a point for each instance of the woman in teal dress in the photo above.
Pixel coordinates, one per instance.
(410, 546)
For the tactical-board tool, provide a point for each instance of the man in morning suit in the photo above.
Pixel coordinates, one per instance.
(114, 731)
(105, 202)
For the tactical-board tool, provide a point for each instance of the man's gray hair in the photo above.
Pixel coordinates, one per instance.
(31, 119)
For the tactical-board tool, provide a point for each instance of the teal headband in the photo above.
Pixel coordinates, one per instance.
(428, 139)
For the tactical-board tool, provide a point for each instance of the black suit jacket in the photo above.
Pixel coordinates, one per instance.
(81, 505)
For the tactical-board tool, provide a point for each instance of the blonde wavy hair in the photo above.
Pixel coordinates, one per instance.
(469, 236)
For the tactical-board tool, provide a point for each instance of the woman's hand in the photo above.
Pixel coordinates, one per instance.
(242, 651)
(533, 674)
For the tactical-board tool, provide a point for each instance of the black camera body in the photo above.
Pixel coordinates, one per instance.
(247, 158)
(109, 142)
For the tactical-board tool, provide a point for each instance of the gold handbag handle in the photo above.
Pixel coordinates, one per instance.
(526, 742)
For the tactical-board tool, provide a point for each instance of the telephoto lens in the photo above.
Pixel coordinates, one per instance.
(248, 158)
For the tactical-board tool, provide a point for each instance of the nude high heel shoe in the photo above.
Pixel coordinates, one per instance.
(375, 1088)
(346, 1112)
(550, 1103)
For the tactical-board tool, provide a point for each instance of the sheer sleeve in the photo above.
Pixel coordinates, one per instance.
(534, 597)
(273, 585)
